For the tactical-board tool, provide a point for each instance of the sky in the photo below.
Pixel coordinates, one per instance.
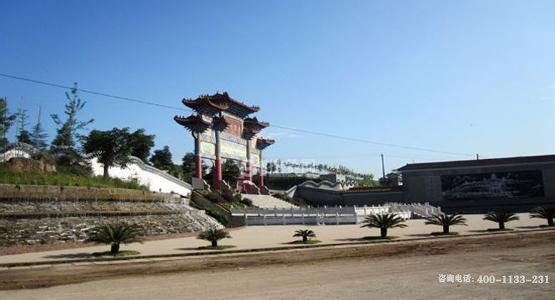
(453, 76)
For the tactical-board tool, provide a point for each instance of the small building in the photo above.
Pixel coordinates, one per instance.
(513, 183)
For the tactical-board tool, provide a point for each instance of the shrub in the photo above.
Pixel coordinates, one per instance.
(446, 220)
(383, 222)
(116, 234)
(247, 202)
(213, 235)
(305, 234)
(544, 213)
(500, 217)
(215, 197)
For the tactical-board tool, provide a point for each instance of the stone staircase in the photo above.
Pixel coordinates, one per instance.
(267, 201)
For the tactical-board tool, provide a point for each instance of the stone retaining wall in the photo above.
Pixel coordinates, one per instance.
(61, 230)
(44, 214)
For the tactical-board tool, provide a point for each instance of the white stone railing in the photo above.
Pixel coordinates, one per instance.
(330, 215)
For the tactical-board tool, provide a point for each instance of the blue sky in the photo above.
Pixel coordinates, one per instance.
(458, 76)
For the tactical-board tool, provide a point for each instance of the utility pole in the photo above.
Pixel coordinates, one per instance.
(383, 166)
(477, 156)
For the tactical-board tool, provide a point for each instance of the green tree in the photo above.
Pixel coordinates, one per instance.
(38, 135)
(141, 144)
(390, 180)
(500, 217)
(162, 159)
(21, 133)
(188, 167)
(110, 147)
(271, 167)
(446, 220)
(366, 181)
(116, 234)
(544, 213)
(230, 171)
(305, 234)
(384, 222)
(6, 121)
(213, 235)
(68, 130)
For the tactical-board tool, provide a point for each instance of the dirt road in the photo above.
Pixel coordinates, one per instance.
(405, 275)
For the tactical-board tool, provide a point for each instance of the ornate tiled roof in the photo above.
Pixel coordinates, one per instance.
(262, 143)
(195, 122)
(211, 104)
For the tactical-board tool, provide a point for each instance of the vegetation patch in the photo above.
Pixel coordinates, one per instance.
(66, 179)
(119, 254)
(219, 247)
(497, 229)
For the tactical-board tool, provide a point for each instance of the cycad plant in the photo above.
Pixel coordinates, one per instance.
(544, 213)
(305, 234)
(445, 221)
(383, 222)
(116, 234)
(500, 217)
(213, 235)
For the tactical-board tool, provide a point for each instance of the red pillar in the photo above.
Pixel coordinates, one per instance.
(261, 172)
(217, 174)
(261, 177)
(198, 166)
(249, 171)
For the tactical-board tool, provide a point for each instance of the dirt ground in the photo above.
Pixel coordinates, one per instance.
(398, 270)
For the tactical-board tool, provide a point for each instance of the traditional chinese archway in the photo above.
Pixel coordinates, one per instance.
(222, 129)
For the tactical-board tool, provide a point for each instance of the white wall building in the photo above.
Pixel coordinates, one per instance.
(156, 180)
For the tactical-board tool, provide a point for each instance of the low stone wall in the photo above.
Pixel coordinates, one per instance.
(41, 192)
(65, 229)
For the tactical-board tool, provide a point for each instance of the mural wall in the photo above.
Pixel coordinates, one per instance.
(493, 185)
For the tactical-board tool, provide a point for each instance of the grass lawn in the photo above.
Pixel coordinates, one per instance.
(66, 179)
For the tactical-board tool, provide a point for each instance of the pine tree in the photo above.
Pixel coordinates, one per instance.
(38, 134)
(68, 130)
(6, 121)
(21, 132)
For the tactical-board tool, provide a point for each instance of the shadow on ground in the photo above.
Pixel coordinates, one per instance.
(367, 238)
(529, 227)
(70, 255)
(491, 230)
(188, 249)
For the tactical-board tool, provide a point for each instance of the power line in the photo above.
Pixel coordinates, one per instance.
(92, 92)
(369, 141)
(140, 101)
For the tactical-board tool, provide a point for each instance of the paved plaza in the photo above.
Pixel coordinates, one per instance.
(257, 237)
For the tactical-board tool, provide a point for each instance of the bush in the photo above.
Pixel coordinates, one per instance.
(45, 156)
(215, 197)
(247, 202)
(213, 235)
